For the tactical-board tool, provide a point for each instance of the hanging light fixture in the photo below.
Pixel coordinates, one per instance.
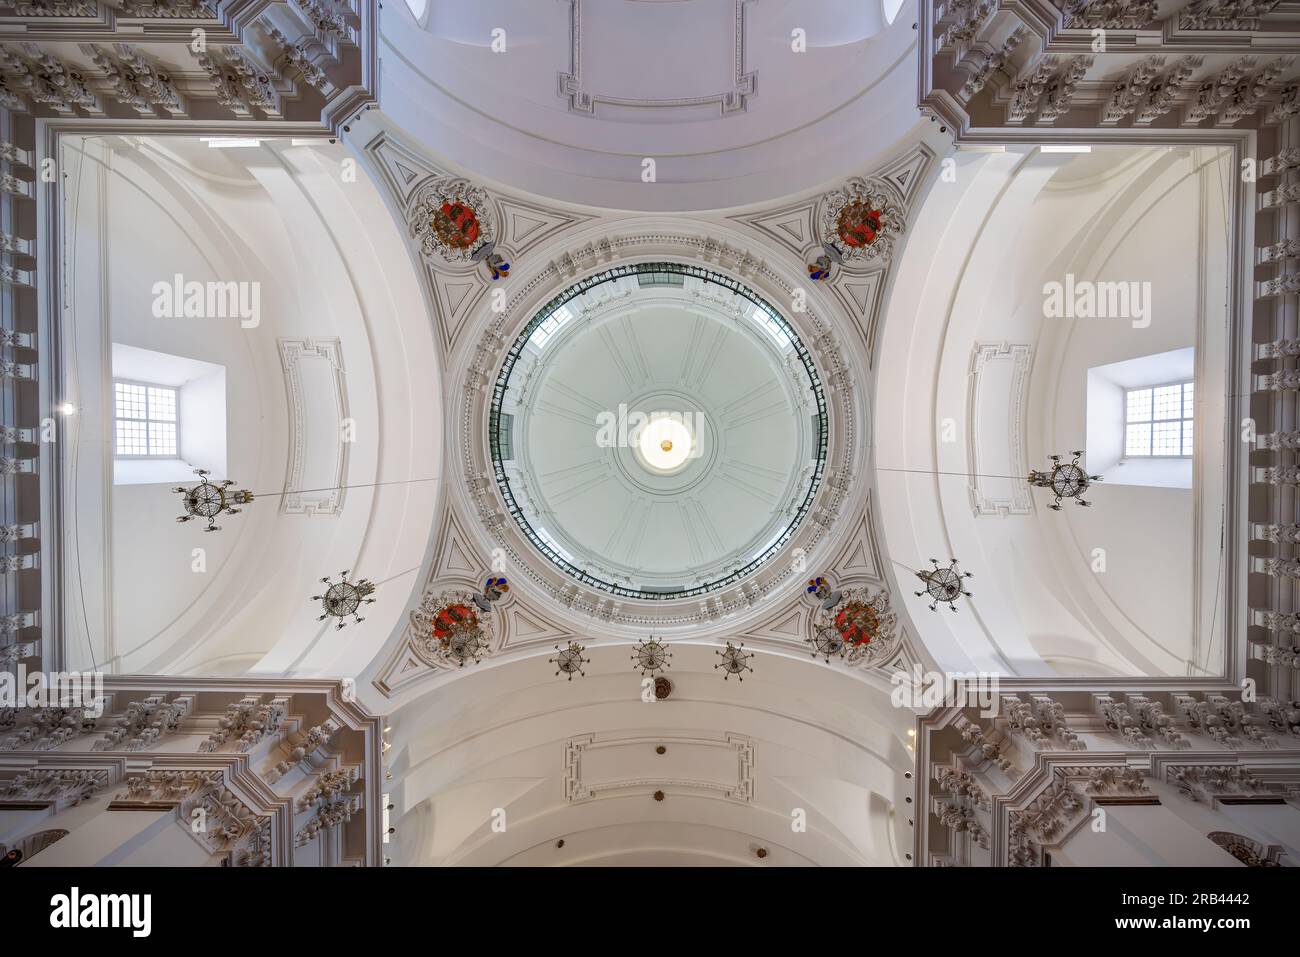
(651, 655)
(569, 661)
(344, 598)
(827, 642)
(458, 633)
(735, 661)
(208, 500)
(1065, 479)
(943, 584)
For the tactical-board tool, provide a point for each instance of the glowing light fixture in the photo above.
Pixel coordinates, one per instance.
(665, 444)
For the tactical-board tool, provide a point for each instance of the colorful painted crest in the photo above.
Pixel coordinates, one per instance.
(858, 224)
(860, 221)
(448, 630)
(452, 219)
(456, 225)
(861, 626)
(452, 620)
(858, 623)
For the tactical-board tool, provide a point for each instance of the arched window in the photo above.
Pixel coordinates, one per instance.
(29, 847)
(1249, 852)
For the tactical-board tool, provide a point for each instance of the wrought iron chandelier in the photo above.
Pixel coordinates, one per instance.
(651, 655)
(943, 584)
(734, 661)
(569, 661)
(827, 642)
(1065, 479)
(207, 500)
(344, 598)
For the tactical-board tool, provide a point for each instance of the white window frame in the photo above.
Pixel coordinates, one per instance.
(1185, 415)
(175, 422)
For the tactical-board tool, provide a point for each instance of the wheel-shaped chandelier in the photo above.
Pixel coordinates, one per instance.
(650, 656)
(944, 584)
(735, 661)
(569, 661)
(343, 599)
(207, 500)
(1065, 479)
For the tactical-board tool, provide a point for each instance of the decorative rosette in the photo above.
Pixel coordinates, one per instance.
(450, 630)
(859, 223)
(860, 627)
(452, 219)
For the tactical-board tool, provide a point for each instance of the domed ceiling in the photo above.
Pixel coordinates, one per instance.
(656, 423)
(666, 106)
(658, 433)
(663, 324)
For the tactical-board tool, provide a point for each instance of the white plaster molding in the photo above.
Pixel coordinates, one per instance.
(573, 83)
(579, 787)
(298, 500)
(984, 501)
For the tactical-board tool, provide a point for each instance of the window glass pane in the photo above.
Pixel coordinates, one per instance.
(1168, 402)
(146, 420)
(131, 438)
(162, 438)
(1139, 405)
(549, 326)
(162, 404)
(773, 328)
(1137, 440)
(1169, 410)
(130, 400)
(1166, 438)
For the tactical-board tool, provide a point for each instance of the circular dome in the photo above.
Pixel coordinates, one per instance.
(658, 431)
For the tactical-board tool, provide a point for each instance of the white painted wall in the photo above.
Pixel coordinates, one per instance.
(331, 264)
(973, 272)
